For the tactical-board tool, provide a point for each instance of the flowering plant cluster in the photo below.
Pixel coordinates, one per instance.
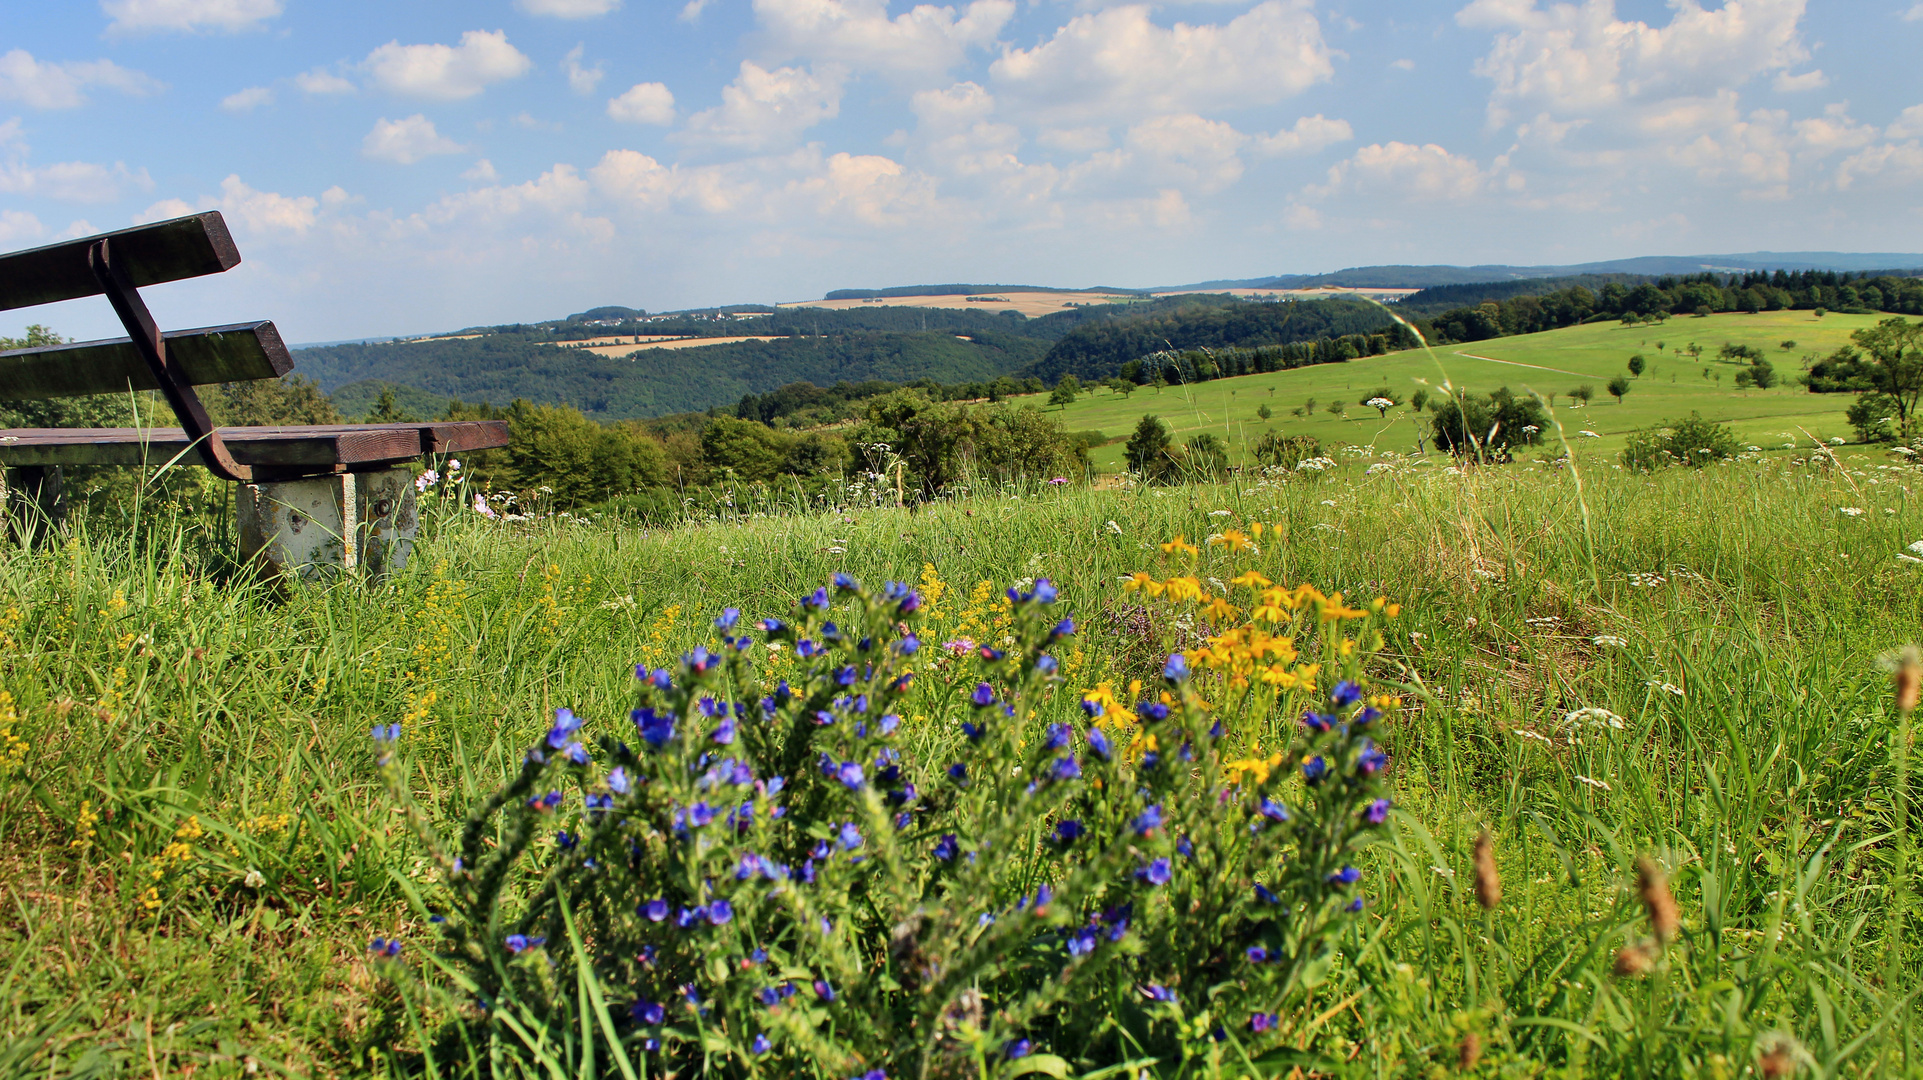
(772, 877)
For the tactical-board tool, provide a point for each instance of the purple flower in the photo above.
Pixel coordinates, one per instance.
(1099, 743)
(1377, 812)
(1045, 592)
(772, 626)
(1365, 716)
(983, 697)
(846, 583)
(564, 840)
(889, 722)
(1317, 722)
(947, 847)
(1177, 668)
(517, 943)
(701, 661)
(700, 814)
(1017, 1048)
(1348, 875)
(1058, 736)
(761, 1044)
(720, 912)
(385, 733)
(647, 1012)
(576, 753)
(1061, 630)
(974, 731)
(1152, 710)
(849, 836)
(817, 600)
(1158, 992)
(1353, 906)
(618, 781)
(958, 772)
(1082, 941)
(565, 724)
(1155, 873)
(381, 946)
(1261, 1022)
(1345, 694)
(1257, 954)
(1315, 769)
(1068, 831)
(1273, 810)
(1148, 820)
(824, 991)
(656, 728)
(1263, 894)
(1371, 760)
(724, 732)
(850, 775)
(729, 616)
(1066, 769)
(806, 649)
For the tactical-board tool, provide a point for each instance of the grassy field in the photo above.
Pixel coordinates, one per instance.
(1551, 364)
(197, 848)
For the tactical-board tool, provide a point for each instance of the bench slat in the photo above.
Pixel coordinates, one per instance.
(183, 247)
(209, 355)
(302, 449)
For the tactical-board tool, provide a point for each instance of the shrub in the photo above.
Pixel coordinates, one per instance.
(1286, 452)
(1692, 441)
(1487, 426)
(781, 876)
(1875, 416)
(1147, 449)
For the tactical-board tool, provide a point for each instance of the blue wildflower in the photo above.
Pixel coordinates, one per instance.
(1177, 668)
(1152, 710)
(565, 724)
(1045, 591)
(1047, 665)
(729, 616)
(1263, 894)
(846, 583)
(1158, 992)
(1066, 768)
(1371, 760)
(983, 697)
(381, 946)
(1376, 812)
(773, 626)
(720, 912)
(1261, 1022)
(1257, 954)
(849, 836)
(1273, 810)
(576, 753)
(850, 775)
(807, 649)
(701, 661)
(700, 814)
(1148, 820)
(724, 732)
(1099, 743)
(823, 990)
(647, 1012)
(1365, 716)
(958, 772)
(889, 722)
(1346, 693)
(1353, 905)
(1016, 1049)
(618, 781)
(656, 727)
(1058, 736)
(565, 840)
(974, 731)
(1314, 769)
(817, 600)
(761, 1045)
(1068, 831)
(1061, 630)
(947, 847)
(1186, 849)
(1155, 873)
(1348, 875)
(385, 733)
(1317, 722)
(516, 943)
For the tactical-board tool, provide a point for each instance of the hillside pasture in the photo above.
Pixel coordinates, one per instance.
(1550, 363)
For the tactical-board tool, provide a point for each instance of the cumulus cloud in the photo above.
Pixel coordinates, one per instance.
(248, 210)
(566, 9)
(68, 181)
(447, 72)
(406, 141)
(1400, 170)
(691, 11)
(481, 172)
(1785, 83)
(763, 108)
(1908, 124)
(51, 85)
(1577, 59)
(1310, 134)
(643, 103)
(318, 82)
(18, 227)
(582, 80)
(134, 16)
(1118, 63)
(247, 100)
(1186, 151)
(920, 44)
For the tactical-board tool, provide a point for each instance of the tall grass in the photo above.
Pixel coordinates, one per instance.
(196, 850)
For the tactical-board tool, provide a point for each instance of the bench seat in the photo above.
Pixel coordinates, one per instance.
(306, 451)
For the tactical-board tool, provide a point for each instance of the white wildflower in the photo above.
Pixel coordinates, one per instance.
(426, 480)
(1917, 548)
(1379, 403)
(1588, 434)
(1525, 733)
(1667, 688)
(1754, 449)
(1646, 581)
(454, 465)
(1378, 467)
(1610, 640)
(481, 507)
(1850, 511)
(1836, 440)
(1220, 513)
(1594, 783)
(254, 879)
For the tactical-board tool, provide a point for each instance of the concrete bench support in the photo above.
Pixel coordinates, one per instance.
(315, 528)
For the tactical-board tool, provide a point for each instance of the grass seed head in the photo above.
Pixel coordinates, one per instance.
(1488, 882)
(1777, 1056)
(1653, 884)
(1469, 1052)
(1909, 678)
(1633, 960)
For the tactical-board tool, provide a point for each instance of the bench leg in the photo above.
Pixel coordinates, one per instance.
(36, 502)
(316, 528)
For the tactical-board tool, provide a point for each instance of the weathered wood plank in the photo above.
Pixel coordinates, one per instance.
(290, 450)
(171, 250)
(208, 355)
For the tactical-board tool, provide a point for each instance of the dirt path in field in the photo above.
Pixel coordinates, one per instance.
(1518, 363)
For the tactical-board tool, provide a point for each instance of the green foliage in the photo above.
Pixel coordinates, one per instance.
(1876, 416)
(1487, 427)
(1277, 335)
(576, 460)
(1205, 455)
(1896, 346)
(941, 444)
(1147, 449)
(1278, 451)
(1693, 442)
(1637, 365)
(1618, 388)
(1065, 391)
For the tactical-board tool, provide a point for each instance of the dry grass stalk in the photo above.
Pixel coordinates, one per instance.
(1488, 882)
(1653, 884)
(1909, 679)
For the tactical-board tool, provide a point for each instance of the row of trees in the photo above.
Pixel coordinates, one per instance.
(1699, 294)
(1884, 367)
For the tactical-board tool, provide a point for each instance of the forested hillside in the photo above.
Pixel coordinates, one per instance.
(1098, 348)
(500, 368)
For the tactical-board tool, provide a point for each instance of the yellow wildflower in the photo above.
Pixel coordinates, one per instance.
(1181, 545)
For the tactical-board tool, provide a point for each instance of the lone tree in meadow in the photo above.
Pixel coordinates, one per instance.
(1618, 386)
(1637, 365)
(1148, 447)
(1065, 391)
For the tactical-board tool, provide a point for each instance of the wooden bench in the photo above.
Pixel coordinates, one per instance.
(312, 499)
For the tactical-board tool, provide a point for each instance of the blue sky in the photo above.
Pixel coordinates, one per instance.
(399, 167)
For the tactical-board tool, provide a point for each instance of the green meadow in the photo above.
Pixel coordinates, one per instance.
(1550, 364)
(197, 845)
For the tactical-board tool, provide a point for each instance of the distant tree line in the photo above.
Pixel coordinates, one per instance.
(1098, 349)
(1697, 294)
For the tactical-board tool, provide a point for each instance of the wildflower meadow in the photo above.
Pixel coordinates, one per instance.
(1376, 768)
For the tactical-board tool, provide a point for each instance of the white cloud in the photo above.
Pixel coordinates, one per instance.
(1785, 83)
(1310, 134)
(763, 108)
(1915, 14)
(481, 172)
(1403, 171)
(1186, 151)
(322, 82)
(643, 103)
(63, 85)
(247, 100)
(920, 44)
(581, 80)
(1580, 59)
(567, 9)
(19, 227)
(1907, 125)
(406, 141)
(691, 11)
(1119, 64)
(447, 72)
(261, 213)
(68, 181)
(1897, 166)
(1404, 64)
(188, 15)
(959, 106)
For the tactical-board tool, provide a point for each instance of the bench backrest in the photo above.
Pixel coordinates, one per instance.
(187, 247)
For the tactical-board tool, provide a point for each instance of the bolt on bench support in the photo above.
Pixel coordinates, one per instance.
(317, 528)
